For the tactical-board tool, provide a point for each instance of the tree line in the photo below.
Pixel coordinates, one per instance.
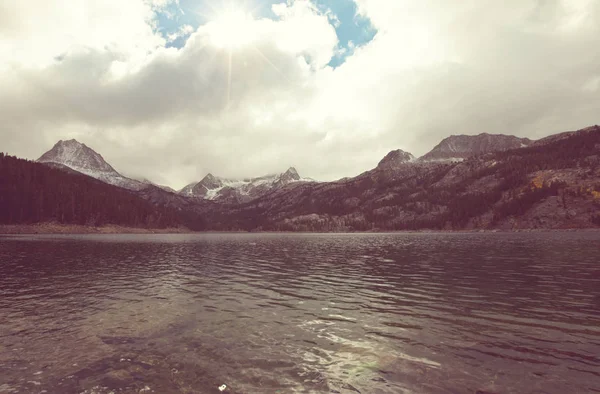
(32, 193)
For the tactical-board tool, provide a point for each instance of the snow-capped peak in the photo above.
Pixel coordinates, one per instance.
(239, 190)
(211, 182)
(79, 157)
(290, 175)
(292, 172)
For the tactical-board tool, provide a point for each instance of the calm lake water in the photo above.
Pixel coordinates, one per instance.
(272, 313)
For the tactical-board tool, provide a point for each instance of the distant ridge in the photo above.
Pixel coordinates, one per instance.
(239, 190)
(459, 147)
(484, 181)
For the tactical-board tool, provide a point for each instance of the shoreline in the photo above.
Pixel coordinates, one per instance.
(55, 228)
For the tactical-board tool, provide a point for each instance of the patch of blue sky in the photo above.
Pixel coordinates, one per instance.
(172, 20)
(352, 29)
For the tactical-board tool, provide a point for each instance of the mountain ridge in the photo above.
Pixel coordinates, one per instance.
(79, 157)
(549, 183)
(461, 146)
(229, 190)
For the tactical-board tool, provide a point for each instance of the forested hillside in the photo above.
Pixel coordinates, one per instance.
(33, 193)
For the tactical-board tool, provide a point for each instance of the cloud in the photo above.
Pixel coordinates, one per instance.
(100, 71)
(480, 66)
(183, 31)
(33, 34)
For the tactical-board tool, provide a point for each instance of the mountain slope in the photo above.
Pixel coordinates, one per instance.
(553, 185)
(550, 183)
(163, 187)
(460, 147)
(79, 157)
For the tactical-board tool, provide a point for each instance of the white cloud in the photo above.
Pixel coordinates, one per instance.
(33, 33)
(183, 31)
(98, 71)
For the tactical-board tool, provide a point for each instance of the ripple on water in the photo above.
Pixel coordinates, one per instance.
(370, 313)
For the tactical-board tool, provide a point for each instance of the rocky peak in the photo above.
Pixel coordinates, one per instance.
(77, 156)
(395, 158)
(209, 178)
(210, 182)
(459, 147)
(239, 190)
(292, 171)
(290, 175)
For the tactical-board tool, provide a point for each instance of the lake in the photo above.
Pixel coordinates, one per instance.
(301, 313)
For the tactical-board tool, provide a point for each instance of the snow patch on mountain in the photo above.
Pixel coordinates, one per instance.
(240, 190)
(445, 160)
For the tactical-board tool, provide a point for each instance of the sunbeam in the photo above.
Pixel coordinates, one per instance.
(270, 63)
(229, 73)
(233, 28)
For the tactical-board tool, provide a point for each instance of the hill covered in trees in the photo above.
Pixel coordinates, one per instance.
(33, 193)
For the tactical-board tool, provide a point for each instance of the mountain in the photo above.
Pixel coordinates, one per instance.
(460, 147)
(78, 157)
(494, 182)
(234, 191)
(555, 184)
(395, 158)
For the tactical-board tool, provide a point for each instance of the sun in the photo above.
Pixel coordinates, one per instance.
(232, 28)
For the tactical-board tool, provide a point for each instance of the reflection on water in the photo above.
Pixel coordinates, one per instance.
(270, 313)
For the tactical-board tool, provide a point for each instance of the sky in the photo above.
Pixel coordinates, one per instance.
(171, 90)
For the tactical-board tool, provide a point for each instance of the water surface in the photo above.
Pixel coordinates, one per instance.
(273, 313)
